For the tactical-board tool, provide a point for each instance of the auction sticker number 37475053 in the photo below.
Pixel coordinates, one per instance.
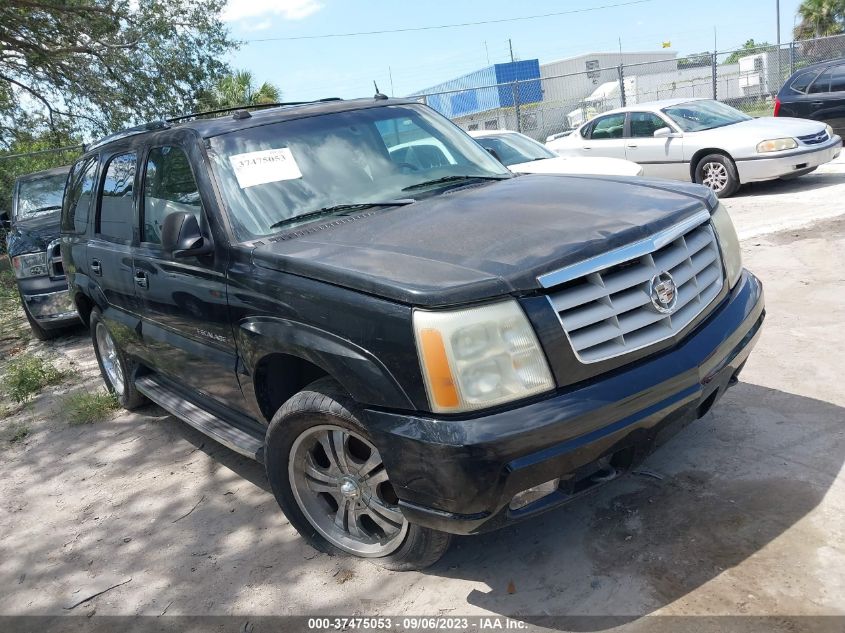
(269, 165)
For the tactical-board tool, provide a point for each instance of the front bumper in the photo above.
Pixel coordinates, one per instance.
(791, 162)
(460, 475)
(51, 309)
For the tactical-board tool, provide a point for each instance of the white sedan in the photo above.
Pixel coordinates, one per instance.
(704, 141)
(524, 155)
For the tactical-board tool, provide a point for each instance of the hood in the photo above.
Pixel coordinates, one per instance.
(768, 127)
(481, 241)
(33, 234)
(593, 165)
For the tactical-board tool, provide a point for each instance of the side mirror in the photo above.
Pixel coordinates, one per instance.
(663, 132)
(5, 222)
(493, 153)
(182, 237)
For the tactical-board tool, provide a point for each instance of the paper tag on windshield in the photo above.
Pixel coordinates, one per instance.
(270, 165)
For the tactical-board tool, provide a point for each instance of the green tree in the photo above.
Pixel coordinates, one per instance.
(820, 18)
(238, 89)
(696, 60)
(96, 65)
(749, 48)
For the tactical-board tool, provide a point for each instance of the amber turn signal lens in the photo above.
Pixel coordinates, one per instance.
(436, 365)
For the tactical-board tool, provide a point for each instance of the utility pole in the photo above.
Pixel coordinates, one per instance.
(515, 91)
(777, 14)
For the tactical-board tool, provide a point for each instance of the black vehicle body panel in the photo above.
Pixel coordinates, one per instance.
(480, 241)
(826, 106)
(339, 294)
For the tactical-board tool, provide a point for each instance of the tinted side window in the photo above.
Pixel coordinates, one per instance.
(609, 127)
(115, 221)
(802, 81)
(169, 187)
(78, 196)
(837, 79)
(644, 124)
(822, 84)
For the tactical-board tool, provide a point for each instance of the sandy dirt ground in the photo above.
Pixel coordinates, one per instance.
(745, 513)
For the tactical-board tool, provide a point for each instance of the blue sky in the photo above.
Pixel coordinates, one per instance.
(346, 66)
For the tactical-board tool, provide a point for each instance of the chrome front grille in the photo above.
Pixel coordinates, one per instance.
(815, 139)
(608, 310)
(54, 259)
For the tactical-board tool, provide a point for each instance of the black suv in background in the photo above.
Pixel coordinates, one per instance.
(412, 351)
(816, 92)
(33, 247)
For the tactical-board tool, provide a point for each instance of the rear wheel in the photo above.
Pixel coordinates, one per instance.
(718, 172)
(330, 480)
(116, 368)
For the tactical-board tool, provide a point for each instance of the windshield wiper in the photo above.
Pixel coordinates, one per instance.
(446, 179)
(337, 208)
(52, 207)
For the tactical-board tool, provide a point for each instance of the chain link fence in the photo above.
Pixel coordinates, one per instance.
(557, 102)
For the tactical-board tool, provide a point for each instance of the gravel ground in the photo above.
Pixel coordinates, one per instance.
(746, 516)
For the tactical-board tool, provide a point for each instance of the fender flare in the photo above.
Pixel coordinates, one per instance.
(363, 375)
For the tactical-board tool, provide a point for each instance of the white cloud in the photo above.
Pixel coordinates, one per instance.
(262, 25)
(288, 9)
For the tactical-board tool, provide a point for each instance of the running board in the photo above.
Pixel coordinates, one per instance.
(245, 437)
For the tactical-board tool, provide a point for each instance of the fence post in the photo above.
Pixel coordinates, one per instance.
(515, 89)
(713, 66)
(621, 70)
(792, 57)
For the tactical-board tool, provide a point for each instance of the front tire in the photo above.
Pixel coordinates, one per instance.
(330, 481)
(718, 172)
(116, 368)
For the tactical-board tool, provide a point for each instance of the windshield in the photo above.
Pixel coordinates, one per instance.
(340, 162)
(39, 195)
(513, 149)
(694, 116)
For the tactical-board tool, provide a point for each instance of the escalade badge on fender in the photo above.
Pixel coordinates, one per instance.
(663, 293)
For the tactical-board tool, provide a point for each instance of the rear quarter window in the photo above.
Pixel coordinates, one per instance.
(802, 81)
(76, 206)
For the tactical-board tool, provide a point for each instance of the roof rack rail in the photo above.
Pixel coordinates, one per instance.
(131, 131)
(246, 108)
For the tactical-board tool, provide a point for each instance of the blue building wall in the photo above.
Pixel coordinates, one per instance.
(475, 97)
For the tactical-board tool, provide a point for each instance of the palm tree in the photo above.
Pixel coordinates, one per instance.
(237, 89)
(820, 18)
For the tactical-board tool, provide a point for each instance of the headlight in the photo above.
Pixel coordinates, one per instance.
(776, 145)
(729, 243)
(829, 131)
(31, 265)
(479, 357)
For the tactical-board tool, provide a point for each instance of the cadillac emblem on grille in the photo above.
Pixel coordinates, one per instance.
(663, 293)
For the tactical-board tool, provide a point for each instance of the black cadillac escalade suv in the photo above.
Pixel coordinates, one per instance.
(413, 347)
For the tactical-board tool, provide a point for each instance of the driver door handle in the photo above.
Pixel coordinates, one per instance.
(141, 279)
(632, 146)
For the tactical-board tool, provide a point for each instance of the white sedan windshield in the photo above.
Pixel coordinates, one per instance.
(694, 116)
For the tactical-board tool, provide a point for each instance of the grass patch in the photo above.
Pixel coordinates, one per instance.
(8, 286)
(27, 375)
(19, 433)
(86, 408)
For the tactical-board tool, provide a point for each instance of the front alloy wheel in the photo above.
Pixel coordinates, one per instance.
(340, 484)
